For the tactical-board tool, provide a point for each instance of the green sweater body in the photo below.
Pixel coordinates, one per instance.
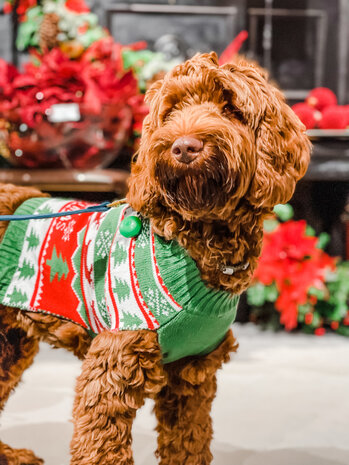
(81, 268)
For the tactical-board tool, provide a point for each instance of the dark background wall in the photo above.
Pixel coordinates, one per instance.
(295, 44)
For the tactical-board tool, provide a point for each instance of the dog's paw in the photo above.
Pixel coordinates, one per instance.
(9, 456)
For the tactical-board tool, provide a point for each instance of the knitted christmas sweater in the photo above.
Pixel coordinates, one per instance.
(81, 268)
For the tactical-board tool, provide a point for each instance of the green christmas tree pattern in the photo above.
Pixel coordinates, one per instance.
(121, 289)
(120, 254)
(131, 321)
(18, 297)
(58, 266)
(27, 270)
(33, 240)
(76, 260)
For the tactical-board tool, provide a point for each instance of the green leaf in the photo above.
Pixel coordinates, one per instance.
(309, 231)
(343, 330)
(28, 30)
(339, 313)
(323, 240)
(256, 295)
(316, 320)
(270, 225)
(302, 310)
(91, 35)
(34, 12)
(284, 212)
(271, 293)
(319, 293)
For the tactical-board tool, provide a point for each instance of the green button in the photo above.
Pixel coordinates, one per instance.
(131, 226)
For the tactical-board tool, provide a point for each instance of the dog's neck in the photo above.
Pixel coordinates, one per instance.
(217, 244)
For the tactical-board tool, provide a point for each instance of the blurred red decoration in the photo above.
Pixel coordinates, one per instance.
(334, 117)
(320, 110)
(321, 97)
(228, 55)
(108, 97)
(79, 6)
(307, 114)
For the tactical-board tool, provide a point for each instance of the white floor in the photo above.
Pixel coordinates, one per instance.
(282, 400)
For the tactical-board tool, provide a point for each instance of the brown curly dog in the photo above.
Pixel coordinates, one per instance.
(220, 148)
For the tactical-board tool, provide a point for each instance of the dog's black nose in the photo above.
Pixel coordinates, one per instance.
(186, 149)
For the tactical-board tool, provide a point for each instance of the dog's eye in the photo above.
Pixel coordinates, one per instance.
(230, 111)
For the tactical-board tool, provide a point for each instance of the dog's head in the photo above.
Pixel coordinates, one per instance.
(216, 135)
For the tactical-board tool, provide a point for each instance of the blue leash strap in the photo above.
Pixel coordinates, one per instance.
(102, 207)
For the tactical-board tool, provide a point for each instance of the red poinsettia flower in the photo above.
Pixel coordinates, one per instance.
(24, 5)
(78, 6)
(93, 80)
(292, 261)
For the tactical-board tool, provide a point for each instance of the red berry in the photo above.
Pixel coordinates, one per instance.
(334, 117)
(7, 8)
(334, 325)
(321, 97)
(308, 318)
(320, 331)
(307, 114)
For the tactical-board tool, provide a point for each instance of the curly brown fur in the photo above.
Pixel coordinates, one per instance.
(183, 407)
(9, 456)
(17, 353)
(254, 150)
(119, 370)
(21, 332)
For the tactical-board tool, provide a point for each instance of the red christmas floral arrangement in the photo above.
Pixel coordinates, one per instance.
(297, 284)
(103, 100)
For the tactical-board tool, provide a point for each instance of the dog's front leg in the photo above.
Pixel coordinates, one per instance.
(119, 371)
(183, 407)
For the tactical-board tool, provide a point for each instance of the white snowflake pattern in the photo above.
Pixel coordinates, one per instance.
(104, 243)
(143, 238)
(69, 228)
(156, 302)
(102, 306)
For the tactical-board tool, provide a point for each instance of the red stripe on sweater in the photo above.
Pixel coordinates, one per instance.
(43, 247)
(110, 289)
(149, 317)
(83, 266)
(158, 276)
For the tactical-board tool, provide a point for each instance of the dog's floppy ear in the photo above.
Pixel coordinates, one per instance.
(152, 92)
(282, 152)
